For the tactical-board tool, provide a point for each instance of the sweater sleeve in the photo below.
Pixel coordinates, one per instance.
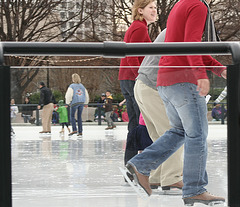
(69, 95)
(222, 95)
(87, 97)
(210, 61)
(193, 33)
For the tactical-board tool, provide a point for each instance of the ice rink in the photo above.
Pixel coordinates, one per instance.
(57, 171)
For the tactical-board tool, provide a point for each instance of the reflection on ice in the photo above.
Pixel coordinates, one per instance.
(58, 171)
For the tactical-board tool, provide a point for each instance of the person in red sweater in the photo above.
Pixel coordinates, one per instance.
(144, 12)
(182, 91)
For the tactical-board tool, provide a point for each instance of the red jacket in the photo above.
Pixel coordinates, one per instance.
(137, 32)
(186, 23)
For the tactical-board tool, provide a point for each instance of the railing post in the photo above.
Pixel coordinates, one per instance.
(99, 115)
(5, 138)
(233, 102)
(37, 117)
(222, 113)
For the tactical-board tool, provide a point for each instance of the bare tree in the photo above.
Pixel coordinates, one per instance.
(34, 20)
(226, 15)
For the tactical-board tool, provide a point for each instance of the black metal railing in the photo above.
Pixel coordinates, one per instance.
(120, 49)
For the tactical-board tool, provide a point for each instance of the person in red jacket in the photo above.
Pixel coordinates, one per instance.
(144, 12)
(182, 91)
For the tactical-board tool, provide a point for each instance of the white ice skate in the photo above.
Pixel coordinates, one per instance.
(138, 189)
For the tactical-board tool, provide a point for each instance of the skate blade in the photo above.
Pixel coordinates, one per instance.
(138, 189)
(45, 135)
(212, 203)
(172, 191)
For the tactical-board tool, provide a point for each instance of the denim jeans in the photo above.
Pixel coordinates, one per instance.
(132, 107)
(187, 113)
(79, 109)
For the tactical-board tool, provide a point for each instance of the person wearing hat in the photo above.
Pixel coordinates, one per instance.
(47, 100)
(63, 115)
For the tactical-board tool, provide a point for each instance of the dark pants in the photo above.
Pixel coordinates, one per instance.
(133, 113)
(64, 124)
(132, 107)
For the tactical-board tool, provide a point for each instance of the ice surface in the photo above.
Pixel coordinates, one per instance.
(55, 171)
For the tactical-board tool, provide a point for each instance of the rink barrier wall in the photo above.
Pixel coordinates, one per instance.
(120, 50)
(91, 118)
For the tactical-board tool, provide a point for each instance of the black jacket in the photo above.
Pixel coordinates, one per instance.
(108, 104)
(46, 96)
(28, 110)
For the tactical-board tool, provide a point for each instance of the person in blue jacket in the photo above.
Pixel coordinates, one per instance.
(76, 97)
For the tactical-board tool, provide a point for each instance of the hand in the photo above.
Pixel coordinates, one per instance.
(224, 74)
(203, 87)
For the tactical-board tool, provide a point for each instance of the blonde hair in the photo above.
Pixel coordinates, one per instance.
(139, 4)
(76, 78)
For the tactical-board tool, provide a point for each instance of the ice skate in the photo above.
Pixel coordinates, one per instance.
(72, 133)
(204, 198)
(140, 179)
(45, 134)
(134, 185)
(108, 128)
(177, 185)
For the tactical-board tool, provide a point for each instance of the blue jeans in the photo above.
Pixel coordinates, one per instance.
(187, 113)
(132, 106)
(79, 109)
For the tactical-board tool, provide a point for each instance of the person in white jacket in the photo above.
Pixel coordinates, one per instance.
(13, 112)
(76, 97)
(221, 96)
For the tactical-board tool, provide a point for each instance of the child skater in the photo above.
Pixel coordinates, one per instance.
(63, 115)
(140, 138)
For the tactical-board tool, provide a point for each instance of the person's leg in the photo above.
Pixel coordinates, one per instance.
(111, 119)
(132, 107)
(44, 118)
(24, 118)
(28, 118)
(192, 111)
(107, 116)
(73, 120)
(187, 113)
(156, 120)
(132, 110)
(79, 117)
(49, 112)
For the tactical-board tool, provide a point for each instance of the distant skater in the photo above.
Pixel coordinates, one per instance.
(47, 100)
(63, 116)
(77, 98)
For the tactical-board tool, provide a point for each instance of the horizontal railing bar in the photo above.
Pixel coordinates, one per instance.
(105, 67)
(115, 49)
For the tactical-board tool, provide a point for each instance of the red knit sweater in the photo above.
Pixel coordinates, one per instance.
(137, 32)
(186, 23)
